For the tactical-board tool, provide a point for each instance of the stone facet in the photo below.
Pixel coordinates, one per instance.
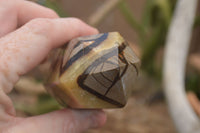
(95, 71)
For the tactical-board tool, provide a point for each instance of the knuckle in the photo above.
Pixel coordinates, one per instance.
(77, 21)
(40, 25)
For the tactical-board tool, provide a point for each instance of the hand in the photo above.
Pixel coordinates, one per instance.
(28, 32)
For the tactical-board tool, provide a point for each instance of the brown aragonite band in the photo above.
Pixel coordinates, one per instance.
(97, 72)
(85, 50)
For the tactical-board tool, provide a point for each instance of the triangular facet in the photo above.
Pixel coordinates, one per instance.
(106, 84)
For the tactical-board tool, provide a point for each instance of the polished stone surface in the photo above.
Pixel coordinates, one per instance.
(95, 71)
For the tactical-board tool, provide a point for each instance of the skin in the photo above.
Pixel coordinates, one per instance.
(28, 32)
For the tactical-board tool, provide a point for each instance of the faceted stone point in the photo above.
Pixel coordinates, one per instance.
(96, 71)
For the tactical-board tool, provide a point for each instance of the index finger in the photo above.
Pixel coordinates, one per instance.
(23, 49)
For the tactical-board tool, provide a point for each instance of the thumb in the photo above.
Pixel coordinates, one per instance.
(63, 121)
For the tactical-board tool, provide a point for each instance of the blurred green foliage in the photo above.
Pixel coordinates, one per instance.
(45, 103)
(151, 30)
(192, 82)
(53, 4)
(197, 21)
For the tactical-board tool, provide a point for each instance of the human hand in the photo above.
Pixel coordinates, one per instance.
(28, 32)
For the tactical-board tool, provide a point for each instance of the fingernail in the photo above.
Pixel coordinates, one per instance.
(96, 30)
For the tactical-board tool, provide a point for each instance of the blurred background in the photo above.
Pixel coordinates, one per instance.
(144, 24)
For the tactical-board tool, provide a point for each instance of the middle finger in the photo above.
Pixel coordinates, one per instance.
(15, 13)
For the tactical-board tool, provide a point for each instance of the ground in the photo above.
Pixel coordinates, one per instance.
(138, 117)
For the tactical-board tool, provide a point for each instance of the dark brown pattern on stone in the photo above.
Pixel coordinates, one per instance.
(102, 60)
(84, 51)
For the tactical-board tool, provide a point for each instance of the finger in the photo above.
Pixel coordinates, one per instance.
(15, 13)
(63, 121)
(6, 106)
(25, 48)
(28, 10)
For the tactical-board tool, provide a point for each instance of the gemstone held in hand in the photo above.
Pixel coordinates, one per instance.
(96, 71)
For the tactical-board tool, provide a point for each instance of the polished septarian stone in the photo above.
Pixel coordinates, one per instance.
(95, 71)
